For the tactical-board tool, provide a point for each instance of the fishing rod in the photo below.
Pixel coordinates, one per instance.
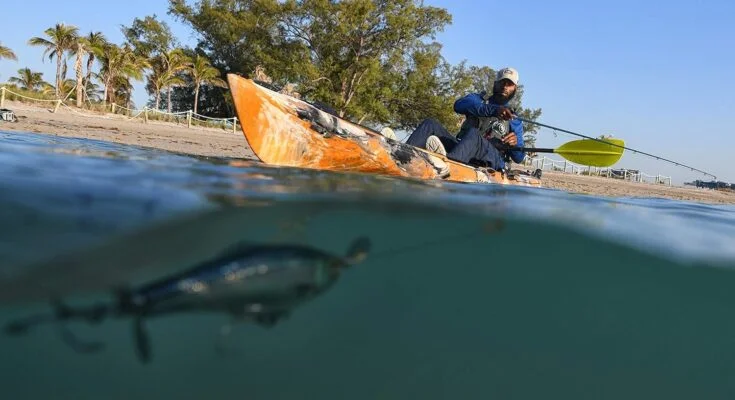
(616, 145)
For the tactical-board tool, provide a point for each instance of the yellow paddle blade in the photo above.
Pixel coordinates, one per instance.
(592, 152)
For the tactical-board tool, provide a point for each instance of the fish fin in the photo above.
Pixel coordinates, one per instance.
(358, 250)
(142, 341)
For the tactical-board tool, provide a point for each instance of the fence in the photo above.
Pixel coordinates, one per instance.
(189, 117)
(625, 174)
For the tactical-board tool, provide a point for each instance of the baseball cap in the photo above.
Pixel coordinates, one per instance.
(508, 73)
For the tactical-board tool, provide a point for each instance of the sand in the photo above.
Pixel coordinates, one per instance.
(70, 122)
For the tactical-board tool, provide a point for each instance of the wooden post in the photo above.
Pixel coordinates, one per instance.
(112, 108)
(2, 96)
(234, 125)
(58, 104)
(145, 115)
(188, 119)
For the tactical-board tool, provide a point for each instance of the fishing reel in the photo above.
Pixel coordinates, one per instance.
(498, 129)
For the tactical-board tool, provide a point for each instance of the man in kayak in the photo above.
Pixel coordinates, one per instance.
(488, 129)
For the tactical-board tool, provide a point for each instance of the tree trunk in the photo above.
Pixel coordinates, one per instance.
(104, 94)
(79, 69)
(196, 97)
(90, 62)
(158, 99)
(348, 90)
(58, 74)
(353, 87)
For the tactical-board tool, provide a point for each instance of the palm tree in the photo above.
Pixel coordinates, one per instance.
(173, 62)
(28, 79)
(68, 86)
(123, 89)
(119, 62)
(79, 49)
(202, 72)
(5, 52)
(95, 44)
(169, 81)
(47, 89)
(156, 78)
(61, 38)
(92, 91)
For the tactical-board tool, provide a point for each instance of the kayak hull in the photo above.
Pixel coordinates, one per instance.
(285, 131)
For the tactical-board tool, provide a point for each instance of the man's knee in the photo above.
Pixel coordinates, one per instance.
(429, 122)
(426, 128)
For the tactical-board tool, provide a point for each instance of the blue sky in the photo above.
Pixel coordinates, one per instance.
(657, 74)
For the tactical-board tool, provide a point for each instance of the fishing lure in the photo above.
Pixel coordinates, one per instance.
(262, 283)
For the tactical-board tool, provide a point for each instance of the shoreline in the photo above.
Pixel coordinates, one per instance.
(218, 142)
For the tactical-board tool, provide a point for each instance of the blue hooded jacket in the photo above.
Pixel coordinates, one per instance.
(473, 105)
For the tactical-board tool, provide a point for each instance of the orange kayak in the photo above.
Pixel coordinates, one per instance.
(285, 131)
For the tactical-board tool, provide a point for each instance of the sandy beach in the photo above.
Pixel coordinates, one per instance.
(219, 142)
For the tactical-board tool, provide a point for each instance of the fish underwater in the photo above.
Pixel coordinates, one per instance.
(261, 283)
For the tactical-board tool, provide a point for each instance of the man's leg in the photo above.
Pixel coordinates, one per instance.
(430, 127)
(474, 146)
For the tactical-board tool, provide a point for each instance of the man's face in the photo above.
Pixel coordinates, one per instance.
(506, 87)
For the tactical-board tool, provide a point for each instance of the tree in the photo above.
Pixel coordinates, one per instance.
(152, 39)
(238, 35)
(149, 36)
(349, 41)
(419, 88)
(61, 38)
(335, 52)
(203, 73)
(6, 52)
(119, 64)
(373, 61)
(27, 79)
(80, 50)
(95, 45)
(166, 71)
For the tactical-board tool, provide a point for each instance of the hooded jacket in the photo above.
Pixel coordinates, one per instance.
(478, 109)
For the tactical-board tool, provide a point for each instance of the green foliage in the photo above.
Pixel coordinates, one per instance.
(27, 79)
(374, 61)
(238, 35)
(6, 52)
(59, 39)
(149, 36)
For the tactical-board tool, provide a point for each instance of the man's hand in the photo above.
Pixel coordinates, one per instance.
(510, 139)
(504, 113)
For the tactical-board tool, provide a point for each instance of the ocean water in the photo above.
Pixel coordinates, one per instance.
(468, 291)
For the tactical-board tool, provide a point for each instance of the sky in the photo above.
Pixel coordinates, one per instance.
(658, 75)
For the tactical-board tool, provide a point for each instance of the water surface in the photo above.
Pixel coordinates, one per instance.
(470, 291)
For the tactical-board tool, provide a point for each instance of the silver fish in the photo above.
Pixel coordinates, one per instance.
(262, 283)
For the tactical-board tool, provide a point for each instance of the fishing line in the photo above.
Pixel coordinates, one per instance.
(486, 230)
(615, 145)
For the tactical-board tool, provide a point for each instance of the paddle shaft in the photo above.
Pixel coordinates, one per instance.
(532, 149)
(611, 144)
